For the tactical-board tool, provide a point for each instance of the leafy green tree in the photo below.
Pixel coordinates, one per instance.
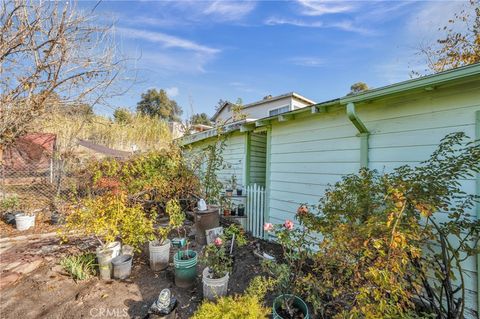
(157, 104)
(122, 115)
(358, 87)
(200, 118)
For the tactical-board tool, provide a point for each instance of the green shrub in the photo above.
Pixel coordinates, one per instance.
(247, 306)
(79, 267)
(216, 258)
(386, 242)
(237, 307)
(239, 233)
(9, 203)
(108, 217)
(153, 178)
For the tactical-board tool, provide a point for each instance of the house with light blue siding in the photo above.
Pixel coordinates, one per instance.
(298, 153)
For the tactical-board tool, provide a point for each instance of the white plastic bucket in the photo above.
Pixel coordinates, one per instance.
(122, 266)
(105, 254)
(24, 222)
(159, 254)
(104, 259)
(214, 288)
(114, 246)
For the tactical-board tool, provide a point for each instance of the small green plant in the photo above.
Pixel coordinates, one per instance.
(239, 233)
(79, 267)
(210, 182)
(217, 259)
(9, 203)
(233, 182)
(246, 306)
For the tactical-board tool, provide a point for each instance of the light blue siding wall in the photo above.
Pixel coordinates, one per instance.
(307, 154)
(234, 159)
(258, 147)
(233, 156)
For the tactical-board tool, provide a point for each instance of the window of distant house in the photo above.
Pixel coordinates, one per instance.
(279, 110)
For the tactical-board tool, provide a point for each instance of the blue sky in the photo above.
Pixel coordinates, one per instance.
(203, 51)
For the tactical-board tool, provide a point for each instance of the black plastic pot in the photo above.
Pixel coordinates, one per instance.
(56, 219)
(241, 211)
(9, 217)
(239, 191)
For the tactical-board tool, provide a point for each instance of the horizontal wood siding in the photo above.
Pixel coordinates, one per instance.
(309, 153)
(258, 145)
(233, 157)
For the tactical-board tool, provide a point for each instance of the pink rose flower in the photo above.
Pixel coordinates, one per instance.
(288, 224)
(268, 227)
(218, 241)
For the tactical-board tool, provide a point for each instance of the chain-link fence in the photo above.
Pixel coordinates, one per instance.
(34, 185)
(29, 172)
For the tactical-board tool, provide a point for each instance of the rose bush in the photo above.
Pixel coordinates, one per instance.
(296, 243)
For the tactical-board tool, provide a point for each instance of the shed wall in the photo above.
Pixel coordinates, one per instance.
(307, 154)
(233, 157)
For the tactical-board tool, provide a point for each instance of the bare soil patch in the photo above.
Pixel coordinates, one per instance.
(48, 292)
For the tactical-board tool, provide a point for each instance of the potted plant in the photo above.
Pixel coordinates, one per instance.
(241, 210)
(24, 221)
(227, 207)
(239, 190)
(233, 185)
(216, 273)
(109, 217)
(295, 242)
(184, 260)
(9, 207)
(159, 249)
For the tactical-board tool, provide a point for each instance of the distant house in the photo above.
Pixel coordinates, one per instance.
(268, 106)
(178, 129)
(296, 154)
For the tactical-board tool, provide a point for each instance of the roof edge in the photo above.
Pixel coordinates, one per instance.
(425, 81)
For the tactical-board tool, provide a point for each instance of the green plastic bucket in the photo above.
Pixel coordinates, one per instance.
(185, 270)
(297, 302)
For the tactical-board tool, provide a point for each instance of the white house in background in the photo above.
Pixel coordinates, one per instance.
(178, 129)
(268, 106)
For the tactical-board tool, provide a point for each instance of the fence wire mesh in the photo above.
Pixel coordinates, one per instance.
(33, 184)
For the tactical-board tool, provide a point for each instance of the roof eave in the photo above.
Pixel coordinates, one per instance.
(227, 128)
(419, 83)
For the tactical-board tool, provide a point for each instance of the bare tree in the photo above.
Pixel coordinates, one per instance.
(50, 53)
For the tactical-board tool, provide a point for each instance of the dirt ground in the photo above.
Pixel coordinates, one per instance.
(48, 292)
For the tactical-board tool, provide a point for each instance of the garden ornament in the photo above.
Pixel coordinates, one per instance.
(164, 304)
